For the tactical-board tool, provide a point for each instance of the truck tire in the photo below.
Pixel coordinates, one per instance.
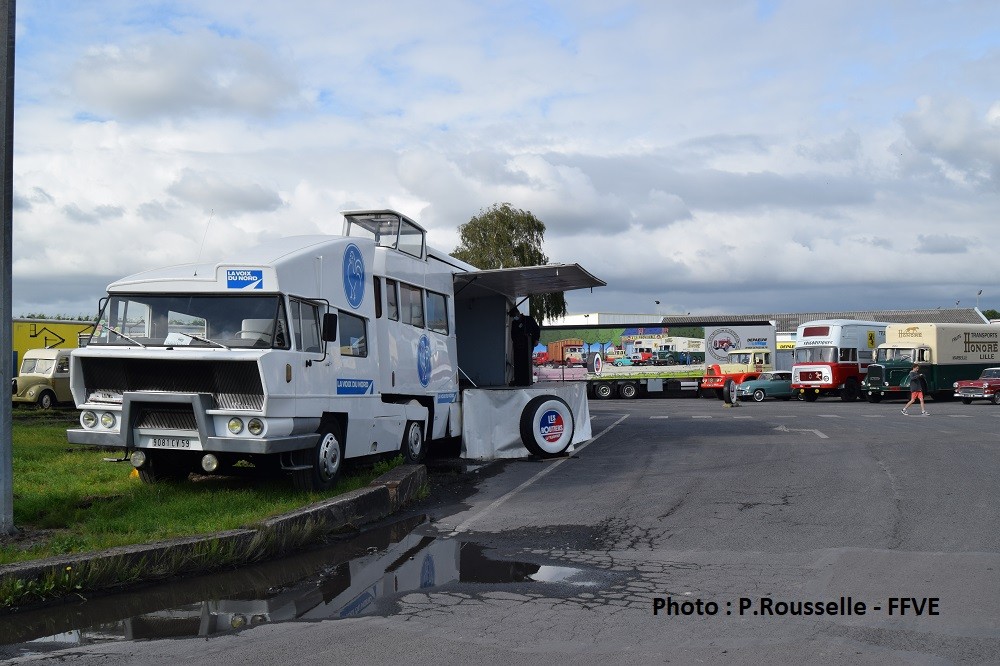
(603, 390)
(671, 360)
(327, 460)
(414, 447)
(809, 396)
(851, 390)
(46, 400)
(874, 398)
(163, 466)
(547, 426)
(627, 390)
(729, 392)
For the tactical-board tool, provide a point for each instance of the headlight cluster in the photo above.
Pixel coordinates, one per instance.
(90, 420)
(254, 426)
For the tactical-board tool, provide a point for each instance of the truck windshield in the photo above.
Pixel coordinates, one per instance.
(196, 320)
(37, 366)
(815, 354)
(896, 354)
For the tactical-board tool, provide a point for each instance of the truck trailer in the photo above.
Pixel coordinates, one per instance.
(299, 354)
(946, 354)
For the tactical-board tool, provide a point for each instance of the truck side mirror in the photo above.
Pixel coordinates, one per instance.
(329, 327)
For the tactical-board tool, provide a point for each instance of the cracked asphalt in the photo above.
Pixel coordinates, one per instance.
(690, 501)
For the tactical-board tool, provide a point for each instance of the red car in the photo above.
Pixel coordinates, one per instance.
(987, 387)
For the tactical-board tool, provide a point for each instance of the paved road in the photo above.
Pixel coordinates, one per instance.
(748, 513)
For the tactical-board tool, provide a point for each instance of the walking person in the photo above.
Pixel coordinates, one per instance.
(916, 382)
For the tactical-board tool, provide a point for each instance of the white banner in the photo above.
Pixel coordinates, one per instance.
(719, 340)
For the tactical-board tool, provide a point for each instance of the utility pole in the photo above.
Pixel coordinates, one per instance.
(6, 258)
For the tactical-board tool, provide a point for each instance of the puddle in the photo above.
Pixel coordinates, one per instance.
(338, 581)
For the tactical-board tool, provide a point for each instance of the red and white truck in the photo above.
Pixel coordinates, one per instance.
(832, 357)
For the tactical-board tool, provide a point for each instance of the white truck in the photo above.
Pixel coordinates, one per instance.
(832, 357)
(309, 350)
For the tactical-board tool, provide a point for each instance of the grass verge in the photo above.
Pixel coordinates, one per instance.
(67, 500)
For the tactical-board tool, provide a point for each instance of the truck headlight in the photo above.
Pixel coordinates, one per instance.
(255, 427)
(88, 420)
(108, 420)
(235, 425)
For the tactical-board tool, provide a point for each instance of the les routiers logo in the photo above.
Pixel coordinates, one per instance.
(551, 426)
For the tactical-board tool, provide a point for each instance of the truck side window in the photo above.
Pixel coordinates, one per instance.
(391, 299)
(352, 335)
(412, 305)
(378, 296)
(63, 364)
(306, 319)
(437, 313)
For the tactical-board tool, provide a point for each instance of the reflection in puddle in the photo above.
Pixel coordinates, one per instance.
(344, 580)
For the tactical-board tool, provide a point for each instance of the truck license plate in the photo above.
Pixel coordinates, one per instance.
(160, 442)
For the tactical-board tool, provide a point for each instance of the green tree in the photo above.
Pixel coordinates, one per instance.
(505, 237)
(991, 314)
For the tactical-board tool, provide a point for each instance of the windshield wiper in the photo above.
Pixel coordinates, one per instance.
(201, 339)
(130, 339)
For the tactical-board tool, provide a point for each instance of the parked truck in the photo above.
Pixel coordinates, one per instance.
(832, 357)
(741, 365)
(307, 351)
(946, 353)
(568, 352)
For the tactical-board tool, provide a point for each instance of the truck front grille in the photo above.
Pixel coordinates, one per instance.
(166, 419)
(234, 384)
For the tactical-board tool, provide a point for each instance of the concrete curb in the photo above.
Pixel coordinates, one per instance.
(53, 577)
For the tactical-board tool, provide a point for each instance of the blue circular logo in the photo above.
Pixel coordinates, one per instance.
(424, 360)
(354, 275)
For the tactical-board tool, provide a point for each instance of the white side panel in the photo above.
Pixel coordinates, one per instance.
(492, 418)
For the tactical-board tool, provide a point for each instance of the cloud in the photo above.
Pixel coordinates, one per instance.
(183, 75)
(213, 193)
(942, 244)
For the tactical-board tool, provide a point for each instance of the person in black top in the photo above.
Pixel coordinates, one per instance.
(524, 333)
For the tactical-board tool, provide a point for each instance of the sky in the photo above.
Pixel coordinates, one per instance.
(720, 157)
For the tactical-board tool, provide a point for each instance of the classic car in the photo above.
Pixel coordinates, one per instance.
(625, 360)
(774, 384)
(987, 387)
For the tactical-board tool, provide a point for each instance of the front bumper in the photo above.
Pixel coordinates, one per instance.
(114, 440)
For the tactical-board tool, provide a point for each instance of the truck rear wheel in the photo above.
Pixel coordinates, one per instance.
(603, 390)
(547, 426)
(627, 390)
(327, 461)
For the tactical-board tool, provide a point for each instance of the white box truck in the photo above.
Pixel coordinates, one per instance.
(309, 350)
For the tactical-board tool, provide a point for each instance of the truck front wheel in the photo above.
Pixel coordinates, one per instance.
(327, 460)
(163, 466)
(851, 391)
(46, 400)
(413, 443)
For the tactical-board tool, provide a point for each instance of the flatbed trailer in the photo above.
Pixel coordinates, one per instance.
(639, 384)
